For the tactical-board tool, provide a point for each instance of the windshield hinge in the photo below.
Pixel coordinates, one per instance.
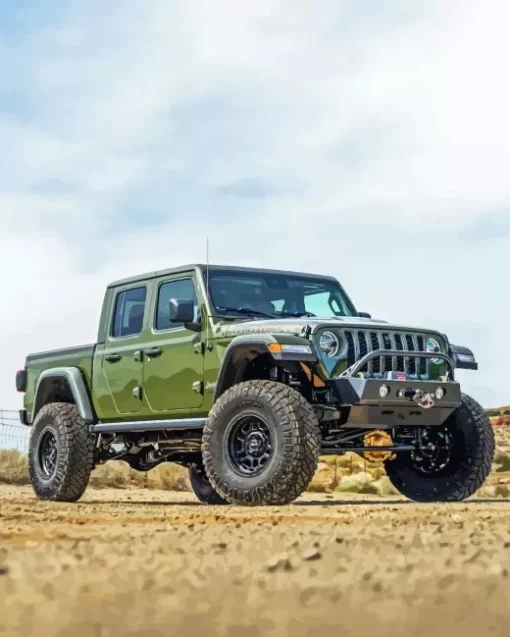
(306, 331)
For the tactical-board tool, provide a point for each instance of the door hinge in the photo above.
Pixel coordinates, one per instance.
(199, 348)
(198, 387)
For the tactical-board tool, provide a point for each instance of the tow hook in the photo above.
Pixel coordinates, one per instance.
(424, 400)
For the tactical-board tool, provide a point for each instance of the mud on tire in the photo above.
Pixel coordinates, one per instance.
(61, 453)
(470, 462)
(261, 444)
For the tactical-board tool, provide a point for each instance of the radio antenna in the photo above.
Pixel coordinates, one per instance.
(208, 300)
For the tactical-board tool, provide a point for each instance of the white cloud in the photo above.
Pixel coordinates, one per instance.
(376, 137)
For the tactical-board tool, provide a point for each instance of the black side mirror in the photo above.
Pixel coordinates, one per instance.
(183, 311)
(364, 315)
(463, 357)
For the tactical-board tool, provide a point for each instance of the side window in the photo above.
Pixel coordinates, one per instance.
(181, 289)
(129, 312)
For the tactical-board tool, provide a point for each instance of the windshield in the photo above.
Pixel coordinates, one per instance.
(259, 294)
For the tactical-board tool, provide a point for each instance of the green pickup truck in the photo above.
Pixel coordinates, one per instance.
(246, 377)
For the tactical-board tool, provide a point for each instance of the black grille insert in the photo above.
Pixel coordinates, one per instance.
(361, 342)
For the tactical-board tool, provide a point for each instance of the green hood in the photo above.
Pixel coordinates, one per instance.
(298, 326)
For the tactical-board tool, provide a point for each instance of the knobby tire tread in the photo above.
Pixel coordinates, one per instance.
(76, 449)
(472, 471)
(301, 436)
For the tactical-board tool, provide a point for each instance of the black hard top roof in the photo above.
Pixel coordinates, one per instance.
(202, 266)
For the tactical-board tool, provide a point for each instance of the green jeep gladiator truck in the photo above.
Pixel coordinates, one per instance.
(246, 377)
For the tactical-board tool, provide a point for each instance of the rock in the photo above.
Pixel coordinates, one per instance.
(312, 555)
(279, 563)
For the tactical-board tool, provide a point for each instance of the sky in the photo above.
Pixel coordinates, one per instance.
(366, 140)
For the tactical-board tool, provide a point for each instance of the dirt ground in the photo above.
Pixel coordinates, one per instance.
(155, 563)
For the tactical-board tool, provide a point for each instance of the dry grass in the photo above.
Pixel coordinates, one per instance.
(343, 474)
(117, 474)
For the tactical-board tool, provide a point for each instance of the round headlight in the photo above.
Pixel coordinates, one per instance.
(434, 346)
(329, 344)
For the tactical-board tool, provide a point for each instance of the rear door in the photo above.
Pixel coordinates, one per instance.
(173, 359)
(122, 362)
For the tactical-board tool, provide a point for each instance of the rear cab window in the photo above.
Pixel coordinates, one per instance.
(129, 312)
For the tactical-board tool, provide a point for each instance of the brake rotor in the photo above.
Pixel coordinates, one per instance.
(377, 438)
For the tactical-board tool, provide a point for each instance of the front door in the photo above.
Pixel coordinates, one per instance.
(122, 361)
(173, 360)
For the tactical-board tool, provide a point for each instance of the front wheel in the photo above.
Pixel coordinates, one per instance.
(261, 444)
(451, 462)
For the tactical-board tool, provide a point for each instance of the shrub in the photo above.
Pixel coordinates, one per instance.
(119, 475)
(362, 482)
(502, 459)
(385, 488)
(501, 491)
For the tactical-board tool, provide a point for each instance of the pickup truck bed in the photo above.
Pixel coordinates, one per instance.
(81, 357)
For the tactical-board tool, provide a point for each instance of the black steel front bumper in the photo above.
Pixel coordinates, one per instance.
(398, 399)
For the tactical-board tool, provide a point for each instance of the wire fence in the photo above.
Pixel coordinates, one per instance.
(13, 435)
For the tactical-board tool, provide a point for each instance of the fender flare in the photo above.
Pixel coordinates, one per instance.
(243, 349)
(76, 382)
(463, 357)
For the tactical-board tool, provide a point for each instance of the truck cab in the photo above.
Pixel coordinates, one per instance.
(143, 354)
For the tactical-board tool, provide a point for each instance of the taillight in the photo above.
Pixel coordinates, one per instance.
(21, 380)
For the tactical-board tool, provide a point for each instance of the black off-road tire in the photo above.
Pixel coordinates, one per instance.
(311, 453)
(202, 488)
(73, 445)
(294, 435)
(470, 464)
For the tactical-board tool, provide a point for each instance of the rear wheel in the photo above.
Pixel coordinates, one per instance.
(261, 444)
(451, 462)
(61, 453)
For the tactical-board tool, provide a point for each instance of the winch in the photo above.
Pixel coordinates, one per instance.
(424, 400)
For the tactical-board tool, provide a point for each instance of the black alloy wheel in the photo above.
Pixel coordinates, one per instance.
(249, 444)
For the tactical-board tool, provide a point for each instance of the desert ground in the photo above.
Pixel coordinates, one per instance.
(150, 562)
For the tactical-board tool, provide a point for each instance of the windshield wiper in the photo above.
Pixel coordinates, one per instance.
(247, 310)
(296, 314)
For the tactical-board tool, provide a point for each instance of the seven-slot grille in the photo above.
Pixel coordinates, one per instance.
(361, 342)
